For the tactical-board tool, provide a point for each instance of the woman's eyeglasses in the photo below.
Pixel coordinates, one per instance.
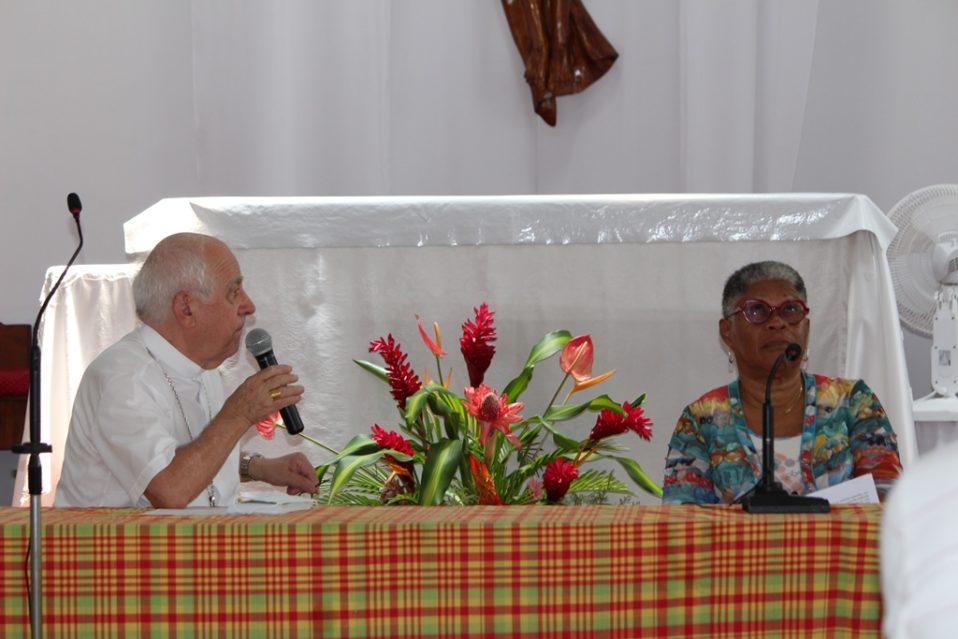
(760, 311)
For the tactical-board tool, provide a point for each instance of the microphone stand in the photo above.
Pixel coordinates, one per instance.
(768, 495)
(35, 447)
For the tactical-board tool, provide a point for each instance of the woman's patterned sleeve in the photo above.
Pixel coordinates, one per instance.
(872, 439)
(687, 465)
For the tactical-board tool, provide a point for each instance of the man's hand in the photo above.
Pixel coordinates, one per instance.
(293, 472)
(262, 394)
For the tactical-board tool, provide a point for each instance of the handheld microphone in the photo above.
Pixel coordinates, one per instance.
(768, 495)
(260, 346)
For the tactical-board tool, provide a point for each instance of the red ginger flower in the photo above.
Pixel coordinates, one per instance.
(558, 476)
(402, 379)
(393, 441)
(476, 343)
(610, 423)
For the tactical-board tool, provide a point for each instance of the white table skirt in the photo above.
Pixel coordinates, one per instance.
(642, 274)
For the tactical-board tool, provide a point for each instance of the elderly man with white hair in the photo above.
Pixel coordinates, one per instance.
(151, 424)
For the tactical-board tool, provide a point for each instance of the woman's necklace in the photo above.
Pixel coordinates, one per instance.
(791, 403)
(210, 490)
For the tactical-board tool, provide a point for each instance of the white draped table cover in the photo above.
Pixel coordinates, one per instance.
(643, 274)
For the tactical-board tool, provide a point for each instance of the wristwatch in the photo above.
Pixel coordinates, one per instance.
(244, 465)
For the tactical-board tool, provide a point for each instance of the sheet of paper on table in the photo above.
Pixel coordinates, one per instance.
(860, 490)
(192, 512)
(268, 502)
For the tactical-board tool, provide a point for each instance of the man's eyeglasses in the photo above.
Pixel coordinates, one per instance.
(760, 311)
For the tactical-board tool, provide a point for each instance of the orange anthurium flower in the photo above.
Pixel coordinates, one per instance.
(592, 381)
(435, 347)
(576, 357)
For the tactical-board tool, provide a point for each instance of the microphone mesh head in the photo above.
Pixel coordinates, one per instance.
(73, 203)
(792, 352)
(258, 342)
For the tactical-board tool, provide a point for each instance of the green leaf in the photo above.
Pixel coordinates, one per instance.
(375, 369)
(599, 481)
(347, 467)
(518, 386)
(638, 401)
(549, 345)
(638, 475)
(562, 440)
(562, 413)
(321, 472)
(440, 467)
(415, 404)
(358, 445)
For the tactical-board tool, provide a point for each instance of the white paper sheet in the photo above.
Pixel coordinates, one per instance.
(860, 490)
(268, 503)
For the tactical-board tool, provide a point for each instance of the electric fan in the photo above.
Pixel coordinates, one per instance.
(923, 258)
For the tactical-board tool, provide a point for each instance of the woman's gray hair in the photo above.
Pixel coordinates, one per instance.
(739, 281)
(177, 263)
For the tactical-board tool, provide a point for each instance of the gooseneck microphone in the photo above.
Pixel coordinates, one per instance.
(791, 353)
(260, 346)
(35, 446)
(768, 495)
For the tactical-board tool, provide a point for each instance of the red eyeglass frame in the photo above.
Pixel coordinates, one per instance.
(771, 310)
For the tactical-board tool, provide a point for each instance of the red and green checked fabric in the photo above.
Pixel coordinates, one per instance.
(482, 571)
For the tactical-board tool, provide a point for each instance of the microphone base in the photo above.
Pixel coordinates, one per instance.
(782, 502)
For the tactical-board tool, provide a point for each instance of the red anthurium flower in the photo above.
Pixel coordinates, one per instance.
(576, 360)
(402, 379)
(558, 476)
(267, 426)
(476, 343)
(435, 347)
(493, 412)
(576, 357)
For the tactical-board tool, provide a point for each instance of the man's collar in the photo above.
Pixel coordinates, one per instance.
(172, 360)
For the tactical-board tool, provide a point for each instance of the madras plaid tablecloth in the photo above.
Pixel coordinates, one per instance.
(511, 571)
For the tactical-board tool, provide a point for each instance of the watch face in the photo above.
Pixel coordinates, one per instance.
(244, 466)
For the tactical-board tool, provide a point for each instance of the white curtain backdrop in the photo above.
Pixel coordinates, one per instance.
(422, 97)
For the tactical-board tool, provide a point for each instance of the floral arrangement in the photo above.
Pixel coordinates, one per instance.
(478, 448)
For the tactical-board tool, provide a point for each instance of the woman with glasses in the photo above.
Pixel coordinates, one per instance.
(827, 430)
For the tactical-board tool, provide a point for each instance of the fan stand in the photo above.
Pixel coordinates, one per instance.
(923, 257)
(941, 406)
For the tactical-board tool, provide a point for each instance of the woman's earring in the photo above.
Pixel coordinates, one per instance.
(805, 360)
(731, 362)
